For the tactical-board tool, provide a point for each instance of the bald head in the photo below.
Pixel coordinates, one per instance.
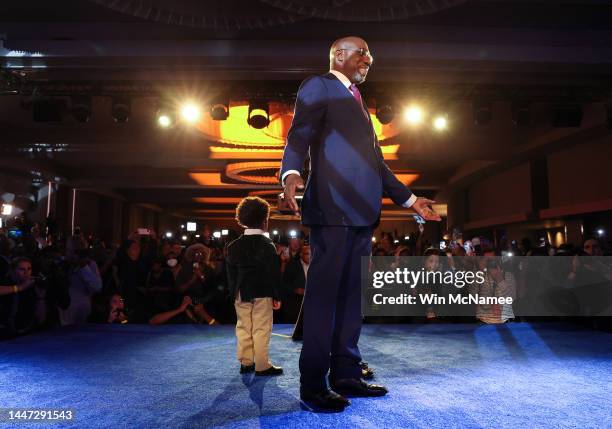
(351, 56)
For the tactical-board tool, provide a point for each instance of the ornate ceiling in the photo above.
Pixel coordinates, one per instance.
(253, 14)
(447, 52)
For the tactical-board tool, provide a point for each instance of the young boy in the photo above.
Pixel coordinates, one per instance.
(253, 272)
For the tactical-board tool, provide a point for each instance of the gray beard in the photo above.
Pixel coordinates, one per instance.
(358, 78)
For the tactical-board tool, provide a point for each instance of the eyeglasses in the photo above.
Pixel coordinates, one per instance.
(361, 51)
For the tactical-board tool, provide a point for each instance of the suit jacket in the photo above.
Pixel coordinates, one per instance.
(293, 277)
(253, 268)
(348, 174)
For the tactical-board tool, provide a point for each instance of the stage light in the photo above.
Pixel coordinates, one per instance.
(184, 237)
(567, 116)
(190, 113)
(482, 112)
(183, 226)
(293, 233)
(224, 232)
(217, 234)
(258, 116)
(197, 236)
(219, 109)
(601, 232)
(384, 113)
(396, 241)
(406, 237)
(165, 114)
(373, 239)
(80, 107)
(168, 234)
(275, 232)
(440, 123)
(164, 120)
(120, 109)
(191, 226)
(7, 209)
(413, 115)
(521, 115)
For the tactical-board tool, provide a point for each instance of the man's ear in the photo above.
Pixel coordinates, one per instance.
(339, 55)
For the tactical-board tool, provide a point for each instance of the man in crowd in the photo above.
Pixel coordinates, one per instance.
(16, 298)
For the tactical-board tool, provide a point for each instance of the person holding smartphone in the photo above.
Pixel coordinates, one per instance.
(196, 280)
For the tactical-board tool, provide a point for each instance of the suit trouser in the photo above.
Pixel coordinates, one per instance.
(332, 304)
(253, 330)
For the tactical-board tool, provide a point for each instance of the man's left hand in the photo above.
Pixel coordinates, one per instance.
(423, 207)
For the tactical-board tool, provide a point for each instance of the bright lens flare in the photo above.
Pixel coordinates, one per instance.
(440, 123)
(413, 115)
(164, 121)
(190, 113)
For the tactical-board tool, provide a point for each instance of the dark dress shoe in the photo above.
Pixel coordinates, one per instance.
(324, 399)
(273, 370)
(245, 369)
(357, 387)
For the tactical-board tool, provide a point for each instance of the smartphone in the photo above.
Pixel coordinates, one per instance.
(442, 245)
(144, 231)
(15, 233)
(418, 219)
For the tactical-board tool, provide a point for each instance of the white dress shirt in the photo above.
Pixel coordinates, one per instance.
(305, 268)
(347, 83)
(254, 231)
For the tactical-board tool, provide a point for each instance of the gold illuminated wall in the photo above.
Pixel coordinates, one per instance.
(254, 155)
(236, 140)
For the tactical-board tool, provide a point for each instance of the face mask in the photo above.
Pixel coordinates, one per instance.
(172, 262)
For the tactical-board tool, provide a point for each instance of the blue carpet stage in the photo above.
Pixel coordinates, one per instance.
(513, 376)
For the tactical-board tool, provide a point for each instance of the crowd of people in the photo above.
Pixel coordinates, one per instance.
(149, 279)
(576, 285)
(145, 279)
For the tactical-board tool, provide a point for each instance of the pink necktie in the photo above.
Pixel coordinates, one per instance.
(357, 97)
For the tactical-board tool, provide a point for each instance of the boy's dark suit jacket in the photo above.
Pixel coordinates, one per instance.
(253, 268)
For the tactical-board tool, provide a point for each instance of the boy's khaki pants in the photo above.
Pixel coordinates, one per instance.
(253, 331)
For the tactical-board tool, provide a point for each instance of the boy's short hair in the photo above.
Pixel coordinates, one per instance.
(252, 212)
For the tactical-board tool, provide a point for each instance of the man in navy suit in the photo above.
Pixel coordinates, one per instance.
(341, 205)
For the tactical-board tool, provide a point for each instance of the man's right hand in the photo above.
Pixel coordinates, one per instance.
(293, 182)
